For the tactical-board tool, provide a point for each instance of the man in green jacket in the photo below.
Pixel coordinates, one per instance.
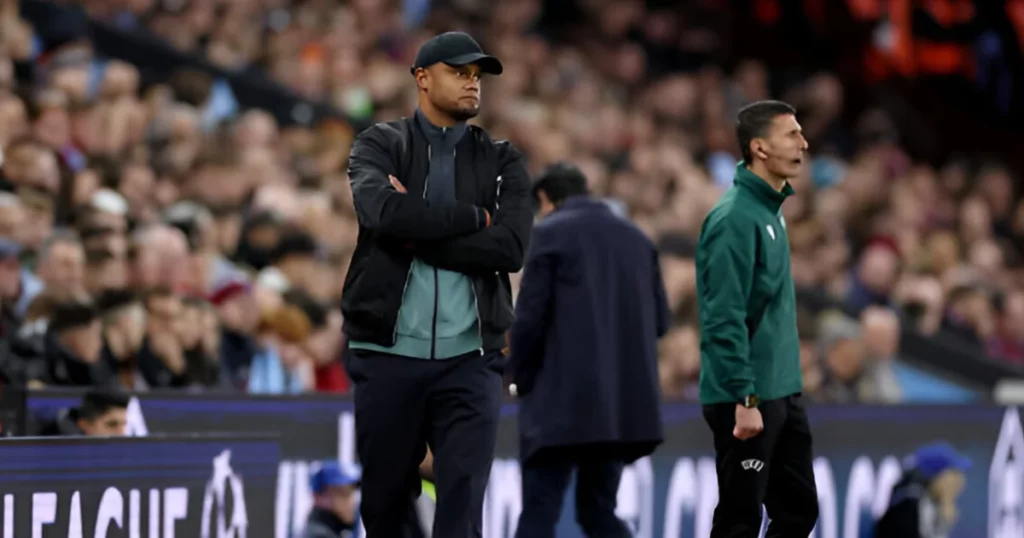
(750, 383)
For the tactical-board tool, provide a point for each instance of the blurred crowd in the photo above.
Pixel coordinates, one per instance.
(154, 236)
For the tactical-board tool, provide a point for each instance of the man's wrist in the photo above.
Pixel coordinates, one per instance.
(750, 401)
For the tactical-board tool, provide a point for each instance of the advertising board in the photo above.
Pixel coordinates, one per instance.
(859, 450)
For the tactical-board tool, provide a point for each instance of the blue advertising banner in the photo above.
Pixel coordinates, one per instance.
(208, 486)
(669, 495)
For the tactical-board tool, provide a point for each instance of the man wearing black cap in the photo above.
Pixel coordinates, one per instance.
(445, 214)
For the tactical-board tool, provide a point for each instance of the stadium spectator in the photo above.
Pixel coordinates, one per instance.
(165, 176)
(102, 412)
(74, 346)
(334, 502)
(124, 332)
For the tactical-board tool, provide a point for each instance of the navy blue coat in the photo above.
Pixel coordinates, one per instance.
(584, 353)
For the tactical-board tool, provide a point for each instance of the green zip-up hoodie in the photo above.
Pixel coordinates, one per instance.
(749, 343)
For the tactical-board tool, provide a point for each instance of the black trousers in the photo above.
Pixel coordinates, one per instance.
(404, 404)
(774, 469)
(545, 479)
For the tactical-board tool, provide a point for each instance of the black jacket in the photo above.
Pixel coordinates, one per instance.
(396, 227)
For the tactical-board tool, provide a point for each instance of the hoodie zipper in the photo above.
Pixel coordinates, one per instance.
(433, 321)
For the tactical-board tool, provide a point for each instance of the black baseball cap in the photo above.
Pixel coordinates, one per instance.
(455, 49)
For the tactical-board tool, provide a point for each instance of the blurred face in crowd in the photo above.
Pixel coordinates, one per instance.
(12, 216)
(946, 489)
(1013, 315)
(111, 423)
(239, 313)
(341, 501)
(845, 359)
(63, 267)
(943, 251)
(53, 127)
(84, 342)
(454, 91)
(299, 269)
(131, 325)
(782, 148)
(191, 326)
(37, 224)
(13, 119)
(10, 279)
(878, 269)
(881, 332)
(975, 220)
(106, 273)
(164, 313)
(34, 166)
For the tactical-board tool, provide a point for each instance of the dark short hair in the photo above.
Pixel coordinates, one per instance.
(295, 242)
(72, 315)
(560, 181)
(754, 120)
(99, 401)
(115, 299)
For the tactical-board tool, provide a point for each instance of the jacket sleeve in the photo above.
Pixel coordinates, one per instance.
(725, 279)
(902, 520)
(500, 247)
(533, 308)
(381, 208)
(661, 308)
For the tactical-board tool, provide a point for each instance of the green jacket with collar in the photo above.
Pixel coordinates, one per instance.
(746, 298)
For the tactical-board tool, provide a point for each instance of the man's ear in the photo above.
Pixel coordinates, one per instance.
(421, 78)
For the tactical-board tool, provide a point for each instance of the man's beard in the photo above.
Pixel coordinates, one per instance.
(461, 114)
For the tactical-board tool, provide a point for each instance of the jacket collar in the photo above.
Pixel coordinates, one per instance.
(443, 135)
(582, 201)
(762, 191)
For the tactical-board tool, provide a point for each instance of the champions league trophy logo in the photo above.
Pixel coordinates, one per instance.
(1006, 480)
(225, 479)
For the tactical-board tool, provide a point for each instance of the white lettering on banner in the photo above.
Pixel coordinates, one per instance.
(503, 500)
(635, 498)
(111, 510)
(828, 522)
(44, 512)
(283, 500)
(302, 496)
(693, 489)
(224, 480)
(8, 516)
(133, 513)
(176, 508)
(154, 512)
(347, 437)
(135, 422)
(75, 518)
(866, 490)
(1006, 480)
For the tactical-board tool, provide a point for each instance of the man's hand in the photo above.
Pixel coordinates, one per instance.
(748, 423)
(397, 185)
(401, 188)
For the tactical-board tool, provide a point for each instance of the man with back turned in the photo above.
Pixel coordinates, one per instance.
(750, 382)
(584, 345)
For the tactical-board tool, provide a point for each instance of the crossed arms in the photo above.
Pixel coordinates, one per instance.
(458, 237)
